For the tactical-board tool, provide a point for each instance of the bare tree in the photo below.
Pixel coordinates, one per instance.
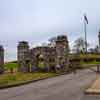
(52, 41)
(96, 49)
(79, 45)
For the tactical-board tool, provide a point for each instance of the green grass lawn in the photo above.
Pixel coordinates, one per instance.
(90, 63)
(17, 78)
(90, 55)
(10, 65)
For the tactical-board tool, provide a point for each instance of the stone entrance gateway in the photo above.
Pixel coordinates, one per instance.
(47, 57)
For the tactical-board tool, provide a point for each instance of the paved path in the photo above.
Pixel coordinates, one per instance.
(65, 87)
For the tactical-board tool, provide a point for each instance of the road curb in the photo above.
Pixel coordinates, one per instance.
(31, 81)
(28, 82)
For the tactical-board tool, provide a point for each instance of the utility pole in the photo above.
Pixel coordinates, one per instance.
(85, 31)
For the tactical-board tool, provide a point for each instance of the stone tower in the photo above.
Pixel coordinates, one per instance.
(23, 56)
(1, 59)
(62, 50)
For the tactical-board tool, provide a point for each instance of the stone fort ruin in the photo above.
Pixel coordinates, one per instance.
(43, 57)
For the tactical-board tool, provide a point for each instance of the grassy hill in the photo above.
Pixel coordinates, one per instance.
(9, 65)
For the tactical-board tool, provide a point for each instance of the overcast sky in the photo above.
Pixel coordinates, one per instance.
(38, 20)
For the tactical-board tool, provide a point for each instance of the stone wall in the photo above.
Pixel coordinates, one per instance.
(46, 53)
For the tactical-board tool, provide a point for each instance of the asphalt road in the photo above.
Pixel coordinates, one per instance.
(65, 87)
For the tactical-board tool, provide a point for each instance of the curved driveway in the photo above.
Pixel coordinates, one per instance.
(65, 87)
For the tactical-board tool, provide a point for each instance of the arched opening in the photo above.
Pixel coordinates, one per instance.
(40, 62)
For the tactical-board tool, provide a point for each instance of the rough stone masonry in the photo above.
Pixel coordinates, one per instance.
(28, 58)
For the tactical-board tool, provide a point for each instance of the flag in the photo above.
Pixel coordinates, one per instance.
(85, 18)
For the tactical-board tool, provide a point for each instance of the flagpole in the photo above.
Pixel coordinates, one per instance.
(85, 32)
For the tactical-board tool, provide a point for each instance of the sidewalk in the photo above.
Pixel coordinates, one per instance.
(94, 88)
